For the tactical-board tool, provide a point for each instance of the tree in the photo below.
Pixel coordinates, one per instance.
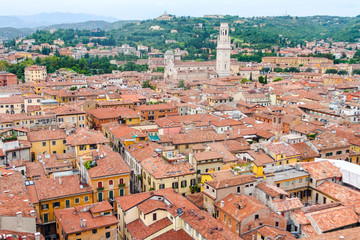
(356, 72)
(331, 71)
(243, 81)
(265, 70)
(261, 79)
(309, 70)
(3, 65)
(146, 84)
(181, 84)
(265, 80)
(250, 78)
(343, 72)
(277, 79)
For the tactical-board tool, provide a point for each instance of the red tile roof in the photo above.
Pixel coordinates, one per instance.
(49, 188)
(139, 230)
(46, 135)
(321, 170)
(70, 218)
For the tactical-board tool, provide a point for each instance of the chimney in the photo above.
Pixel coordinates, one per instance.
(37, 236)
(83, 223)
(222, 204)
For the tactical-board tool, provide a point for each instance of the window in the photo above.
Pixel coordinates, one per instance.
(56, 204)
(229, 222)
(111, 182)
(154, 217)
(278, 184)
(121, 192)
(44, 144)
(225, 219)
(287, 183)
(175, 185)
(100, 197)
(238, 190)
(111, 194)
(45, 217)
(121, 181)
(300, 180)
(217, 213)
(198, 171)
(107, 234)
(86, 198)
(78, 234)
(94, 231)
(44, 206)
(237, 227)
(161, 186)
(67, 203)
(256, 217)
(183, 183)
(276, 224)
(100, 185)
(93, 146)
(53, 143)
(64, 141)
(306, 179)
(338, 152)
(82, 147)
(77, 200)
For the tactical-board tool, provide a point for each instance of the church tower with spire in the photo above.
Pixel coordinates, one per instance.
(223, 50)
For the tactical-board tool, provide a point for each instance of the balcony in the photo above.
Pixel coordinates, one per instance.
(100, 189)
(121, 185)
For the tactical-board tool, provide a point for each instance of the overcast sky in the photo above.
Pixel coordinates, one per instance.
(145, 9)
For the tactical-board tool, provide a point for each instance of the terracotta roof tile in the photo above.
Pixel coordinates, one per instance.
(83, 136)
(271, 190)
(332, 218)
(46, 135)
(160, 168)
(49, 188)
(321, 170)
(233, 181)
(70, 218)
(139, 230)
(174, 235)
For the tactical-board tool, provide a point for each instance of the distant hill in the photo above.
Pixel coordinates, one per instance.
(103, 25)
(45, 19)
(10, 33)
(196, 32)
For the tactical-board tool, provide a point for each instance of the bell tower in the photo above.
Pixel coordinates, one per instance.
(223, 50)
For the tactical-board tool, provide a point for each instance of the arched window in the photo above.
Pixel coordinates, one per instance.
(100, 184)
(121, 181)
(111, 182)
